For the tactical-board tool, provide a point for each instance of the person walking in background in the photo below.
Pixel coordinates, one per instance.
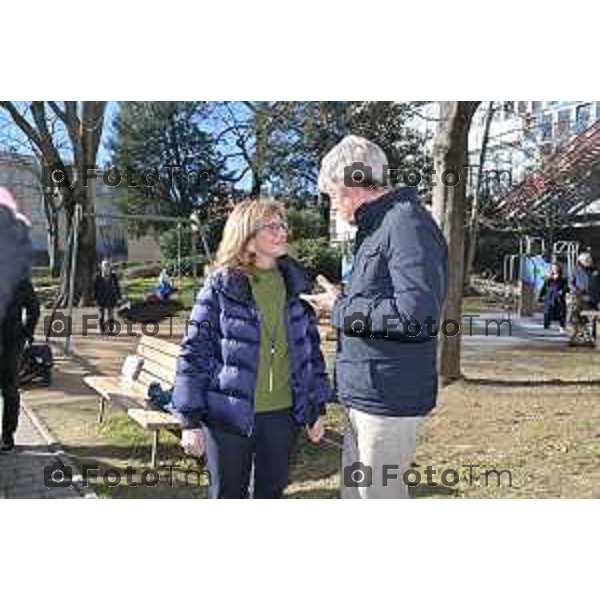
(251, 373)
(583, 287)
(107, 294)
(554, 295)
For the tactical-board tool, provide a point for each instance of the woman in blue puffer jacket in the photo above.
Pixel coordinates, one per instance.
(251, 373)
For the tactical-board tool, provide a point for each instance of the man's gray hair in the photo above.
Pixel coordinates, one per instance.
(352, 149)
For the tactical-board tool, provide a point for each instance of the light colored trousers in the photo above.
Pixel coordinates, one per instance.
(375, 441)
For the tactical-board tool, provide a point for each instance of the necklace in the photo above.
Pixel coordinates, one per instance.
(273, 343)
(272, 329)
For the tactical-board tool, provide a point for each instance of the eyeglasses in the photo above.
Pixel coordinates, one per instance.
(275, 227)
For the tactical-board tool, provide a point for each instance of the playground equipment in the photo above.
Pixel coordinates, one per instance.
(510, 278)
(524, 275)
(524, 272)
(566, 252)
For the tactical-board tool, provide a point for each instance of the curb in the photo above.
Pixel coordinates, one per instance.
(56, 449)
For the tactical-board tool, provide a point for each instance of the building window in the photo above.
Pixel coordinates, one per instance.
(509, 109)
(546, 128)
(536, 106)
(529, 127)
(563, 125)
(546, 149)
(582, 117)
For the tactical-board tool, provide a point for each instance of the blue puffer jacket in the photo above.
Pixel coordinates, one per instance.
(217, 368)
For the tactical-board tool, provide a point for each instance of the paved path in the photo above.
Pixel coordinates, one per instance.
(22, 471)
(523, 331)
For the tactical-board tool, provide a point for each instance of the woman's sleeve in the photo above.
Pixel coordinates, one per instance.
(321, 388)
(196, 360)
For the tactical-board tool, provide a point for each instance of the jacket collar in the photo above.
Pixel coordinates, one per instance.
(368, 216)
(235, 283)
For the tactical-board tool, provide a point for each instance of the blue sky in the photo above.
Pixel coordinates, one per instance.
(11, 136)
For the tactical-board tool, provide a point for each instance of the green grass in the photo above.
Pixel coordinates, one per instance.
(135, 289)
(138, 288)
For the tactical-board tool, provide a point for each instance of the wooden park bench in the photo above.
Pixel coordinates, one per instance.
(159, 364)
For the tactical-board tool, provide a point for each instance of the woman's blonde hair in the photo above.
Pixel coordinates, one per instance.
(242, 225)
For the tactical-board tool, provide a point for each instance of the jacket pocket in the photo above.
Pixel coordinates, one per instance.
(408, 382)
(373, 272)
(353, 379)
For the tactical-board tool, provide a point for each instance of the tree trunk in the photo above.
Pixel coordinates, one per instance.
(54, 246)
(85, 264)
(473, 231)
(256, 186)
(450, 152)
(84, 123)
(53, 232)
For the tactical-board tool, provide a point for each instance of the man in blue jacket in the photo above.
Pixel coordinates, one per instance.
(388, 318)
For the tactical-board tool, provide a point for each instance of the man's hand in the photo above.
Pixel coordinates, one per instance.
(325, 300)
(316, 432)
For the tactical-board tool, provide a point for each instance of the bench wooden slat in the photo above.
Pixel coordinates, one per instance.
(151, 355)
(163, 346)
(146, 379)
(153, 419)
(104, 385)
(154, 369)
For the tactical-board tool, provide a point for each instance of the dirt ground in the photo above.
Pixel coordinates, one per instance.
(526, 417)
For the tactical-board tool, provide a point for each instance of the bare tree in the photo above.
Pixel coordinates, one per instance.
(450, 154)
(474, 221)
(83, 123)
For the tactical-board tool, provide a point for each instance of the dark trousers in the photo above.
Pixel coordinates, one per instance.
(230, 457)
(9, 385)
(551, 315)
(103, 312)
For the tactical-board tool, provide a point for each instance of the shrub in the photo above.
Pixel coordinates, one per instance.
(318, 256)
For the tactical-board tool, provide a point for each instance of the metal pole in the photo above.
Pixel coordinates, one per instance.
(194, 255)
(75, 246)
(178, 253)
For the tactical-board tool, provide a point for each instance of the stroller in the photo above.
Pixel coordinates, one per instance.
(36, 364)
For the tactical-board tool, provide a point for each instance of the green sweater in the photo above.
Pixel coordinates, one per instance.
(272, 386)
